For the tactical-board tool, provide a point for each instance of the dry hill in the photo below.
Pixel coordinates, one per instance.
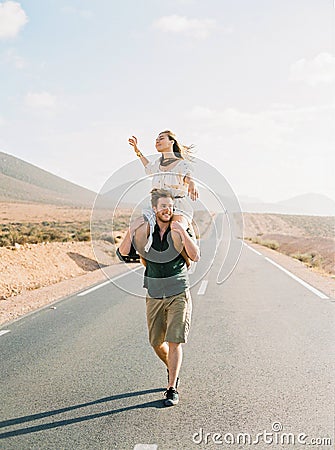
(21, 181)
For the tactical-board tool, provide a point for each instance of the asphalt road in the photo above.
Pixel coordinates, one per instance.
(259, 361)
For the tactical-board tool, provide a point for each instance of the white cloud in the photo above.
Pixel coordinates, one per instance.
(40, 100)
(319, 70)
(198, 28)
(12, 19)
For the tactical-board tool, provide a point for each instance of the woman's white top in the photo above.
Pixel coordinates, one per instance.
(172, 179)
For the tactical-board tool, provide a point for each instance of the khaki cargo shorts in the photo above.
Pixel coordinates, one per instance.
(169, 319)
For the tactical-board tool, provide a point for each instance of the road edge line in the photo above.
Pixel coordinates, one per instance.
(94, 288)
(299, 280)
(2, 332)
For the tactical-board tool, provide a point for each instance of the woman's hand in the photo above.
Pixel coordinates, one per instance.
(193, 190)
(133, 142)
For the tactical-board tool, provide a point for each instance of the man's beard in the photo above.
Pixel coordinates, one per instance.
(164, 219)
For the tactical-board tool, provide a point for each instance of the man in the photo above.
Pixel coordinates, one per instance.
(168, 301)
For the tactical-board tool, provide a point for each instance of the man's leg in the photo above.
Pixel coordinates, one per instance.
(162, 351)
(175, 357)
(156, 320)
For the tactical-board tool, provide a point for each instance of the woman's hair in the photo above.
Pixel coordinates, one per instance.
(180, 151)
(158, 193)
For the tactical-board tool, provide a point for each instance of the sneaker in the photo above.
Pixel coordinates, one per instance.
(172, 397)
(177, 382)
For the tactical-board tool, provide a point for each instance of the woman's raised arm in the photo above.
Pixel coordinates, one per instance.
(133, 142)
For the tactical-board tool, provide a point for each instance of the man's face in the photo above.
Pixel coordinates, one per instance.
(164, 209)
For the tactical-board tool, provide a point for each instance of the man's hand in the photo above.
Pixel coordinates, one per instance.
(178, 227)
(191, 248)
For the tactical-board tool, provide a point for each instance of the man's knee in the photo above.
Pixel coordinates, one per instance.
(157, 347)
(174, 345)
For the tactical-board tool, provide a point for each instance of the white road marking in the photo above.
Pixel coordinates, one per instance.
(299, 280)
(4, 332)
(146, 447)
(193, 264)
(94, 288)
(252, 249)
(203, 287)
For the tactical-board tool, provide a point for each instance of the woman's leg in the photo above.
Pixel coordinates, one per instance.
(141, 238)
(177, 239)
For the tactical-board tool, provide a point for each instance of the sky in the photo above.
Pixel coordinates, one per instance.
(249, 83)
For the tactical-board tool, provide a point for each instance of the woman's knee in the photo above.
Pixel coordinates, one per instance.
(141, 237)
(179, 218)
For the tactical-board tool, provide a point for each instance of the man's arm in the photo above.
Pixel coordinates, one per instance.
(133, 142)
(191, 248)
(125, 245)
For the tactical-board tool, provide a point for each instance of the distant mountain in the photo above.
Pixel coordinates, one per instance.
(306, 204)
(309, 204)
(23, 182)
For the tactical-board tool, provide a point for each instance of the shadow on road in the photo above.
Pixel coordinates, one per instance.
(61, 423)
(87, 264)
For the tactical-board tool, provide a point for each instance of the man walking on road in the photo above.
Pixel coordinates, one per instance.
(168, 301)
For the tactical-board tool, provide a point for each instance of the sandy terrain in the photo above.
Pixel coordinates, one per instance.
(309, 238)
(35, 213)
(35, 275)
(28, 267)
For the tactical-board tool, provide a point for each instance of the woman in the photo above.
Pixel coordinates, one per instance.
(171, 171)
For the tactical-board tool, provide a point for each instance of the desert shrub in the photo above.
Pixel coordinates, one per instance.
(108, 238)
(5, 242)
(15, 236)
(82, 235)
(32, 233)
(312, 259)
(265, 242)
(271, 244)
